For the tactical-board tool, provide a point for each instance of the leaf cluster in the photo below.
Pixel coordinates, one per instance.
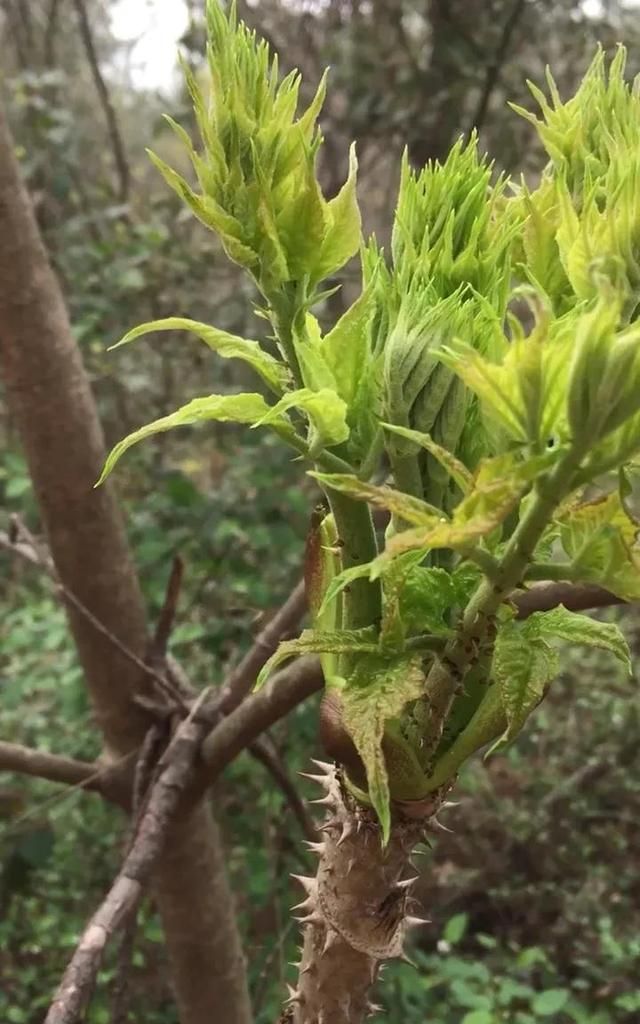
(491, 432)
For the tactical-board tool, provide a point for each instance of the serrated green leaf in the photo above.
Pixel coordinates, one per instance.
(427, 596)
(342, 580)
(393, 627)
(316, 371)
(325, 410)
(376, 692)
(346, 347)
(311, 641)
(602, 541)
(620, 446)
(456, 470)
(211, 215)
(230, 346)
(242, 408)
(499, 485)
(492, 383)
(431, 596)
(405, 506)
(274, 267)
(321, 566)
(525, 394)
(523, 669)
(575, 628)
(343, 235)
(303, 223)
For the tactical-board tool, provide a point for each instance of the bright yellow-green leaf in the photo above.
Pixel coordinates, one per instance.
(602, 542)
(326, 411)
(311, 641)
(342, 580)
(526, 393)
(230, 346)
(303, 223)
(405, 506)
(211, 214)
(346, 348)
(243, 408)
(343, 234)
(499, 485)
(316, 371)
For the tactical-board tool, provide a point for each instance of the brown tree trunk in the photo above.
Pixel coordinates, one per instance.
(51, 400)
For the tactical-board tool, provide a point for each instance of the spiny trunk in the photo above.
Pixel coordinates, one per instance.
(51, 401)
(357, 910)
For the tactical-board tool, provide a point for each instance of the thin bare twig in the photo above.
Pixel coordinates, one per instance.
(177, 768)
(167, 615)
(493, 68)
(17, 758)
(542, 597)
(262, 750)
(146, 774)
(257, 713)
(240, 680)
(120, 994)
(29, 549)
(147, 762)
(122, 165)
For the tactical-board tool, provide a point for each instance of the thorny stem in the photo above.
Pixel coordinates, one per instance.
(447, 673)
(355, 911)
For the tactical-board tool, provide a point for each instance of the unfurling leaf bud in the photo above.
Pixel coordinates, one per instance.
(257, 170)
(450, 278)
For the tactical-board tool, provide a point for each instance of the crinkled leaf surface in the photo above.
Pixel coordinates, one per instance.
(602, 541)
(524, 663)
(311, 641)
(561, 624)
(523, 669)
(377, 691)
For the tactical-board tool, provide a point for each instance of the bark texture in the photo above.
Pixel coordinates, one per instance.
(52, 404)
(356, 911)
(191, 881)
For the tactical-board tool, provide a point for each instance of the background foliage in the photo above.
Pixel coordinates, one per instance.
(535, 899)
